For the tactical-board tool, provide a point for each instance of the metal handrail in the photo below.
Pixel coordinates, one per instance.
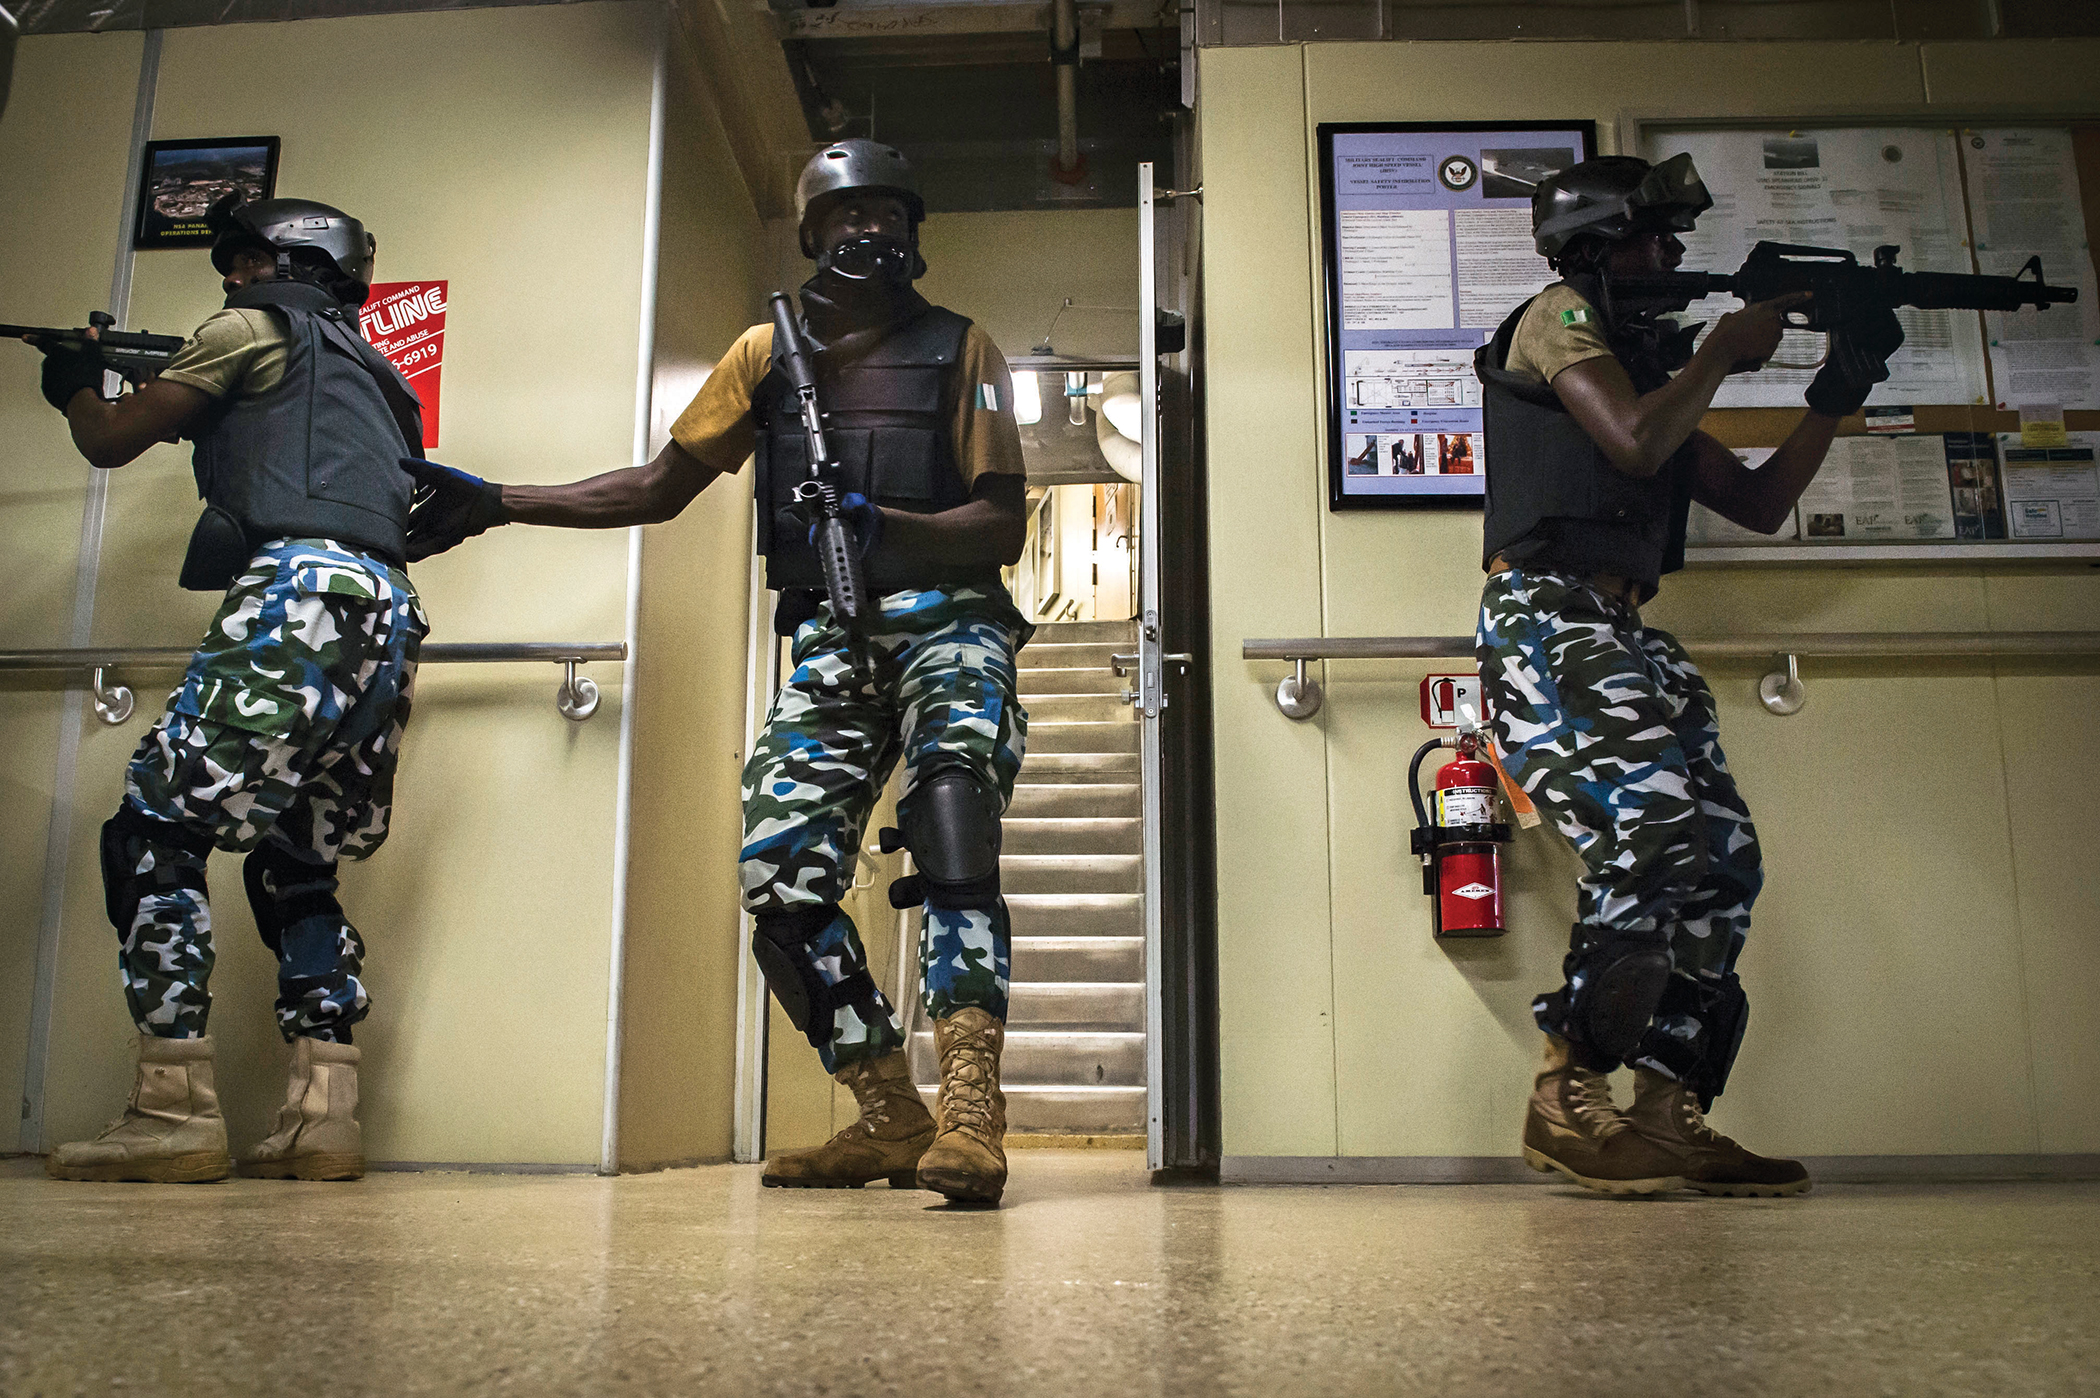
(1299, 696)
(576, 698)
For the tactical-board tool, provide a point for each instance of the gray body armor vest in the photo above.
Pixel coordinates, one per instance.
(318, 456)
(1554, 500)
(888, 418)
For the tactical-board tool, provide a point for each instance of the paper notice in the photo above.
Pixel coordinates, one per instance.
(2024, 198)
(1396, 269)
(2051, 492)
(1879, 488)
(1972, 473)
(1710, 529)
(1853, 189)
(1498, 264)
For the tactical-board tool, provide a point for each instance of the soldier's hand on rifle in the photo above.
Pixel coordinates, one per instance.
(1746, 338)
(67, 371)
(448, 507)
(1858, 359)
(866, 519)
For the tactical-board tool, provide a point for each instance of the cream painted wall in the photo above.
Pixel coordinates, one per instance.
(62, 168)
(506, 151)
(1010, 272)
(1922, 964)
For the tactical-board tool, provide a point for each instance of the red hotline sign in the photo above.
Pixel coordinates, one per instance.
(405, 321)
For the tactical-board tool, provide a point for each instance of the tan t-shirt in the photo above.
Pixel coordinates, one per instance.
(717, 428)
(1560, 329)
(240, 352)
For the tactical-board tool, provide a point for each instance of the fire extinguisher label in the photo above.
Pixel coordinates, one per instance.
(1465, 805)
(1474, 891)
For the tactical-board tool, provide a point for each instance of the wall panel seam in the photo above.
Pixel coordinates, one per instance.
(2012, 868)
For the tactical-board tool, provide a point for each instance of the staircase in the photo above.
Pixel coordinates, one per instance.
(1072, 871)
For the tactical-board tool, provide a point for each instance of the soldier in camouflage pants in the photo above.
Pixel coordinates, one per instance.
(282, 739)
(939, 693)
(1608, 725)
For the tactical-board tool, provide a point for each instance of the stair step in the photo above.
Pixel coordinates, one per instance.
(1076, 914)
(1091, 1111)
(1050, 1058)
(1071, 873)
(1070, 959)
(1078, 1005)
(1074, 800)
(1040, 835)
(1081, 767)
(1036, 684)
(1079, 708)
(1067, 632)
(1092, 655)
(1049, 739)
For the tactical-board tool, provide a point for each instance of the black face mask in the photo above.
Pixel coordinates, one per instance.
(875, 259)
(862, 289)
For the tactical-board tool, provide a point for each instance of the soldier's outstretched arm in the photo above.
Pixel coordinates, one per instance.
(646, 494)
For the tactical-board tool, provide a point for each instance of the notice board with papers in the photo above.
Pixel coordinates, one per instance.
(1427, 236)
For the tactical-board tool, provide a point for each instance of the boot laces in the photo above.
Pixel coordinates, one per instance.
(1694, 1122)
(874, 1099)
(1590, 1102)
(968, 1100)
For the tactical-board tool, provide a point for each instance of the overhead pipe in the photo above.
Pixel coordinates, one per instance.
(1070, 167)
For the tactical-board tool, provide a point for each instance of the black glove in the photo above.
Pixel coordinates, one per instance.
(448, 507)
(1858, 359)
(68, 370)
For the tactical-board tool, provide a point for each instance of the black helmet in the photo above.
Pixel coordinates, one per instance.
(854, 167)
(1613, 197)
(285, 226)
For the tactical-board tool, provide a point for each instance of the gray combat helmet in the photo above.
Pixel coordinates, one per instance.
(286, 225)
(854, 167)
(1613, 197)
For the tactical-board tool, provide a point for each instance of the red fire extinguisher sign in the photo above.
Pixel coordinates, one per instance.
(1447, 698)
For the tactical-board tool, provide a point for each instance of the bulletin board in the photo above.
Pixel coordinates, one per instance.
(1426, 231)
(1985, 441)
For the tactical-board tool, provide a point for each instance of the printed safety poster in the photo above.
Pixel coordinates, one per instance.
(1853, 190)
(405, 321)
(2024, 199)
(1428, 239)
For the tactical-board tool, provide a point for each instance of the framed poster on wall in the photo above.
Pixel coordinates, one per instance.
(180, 180)
(1426, 236)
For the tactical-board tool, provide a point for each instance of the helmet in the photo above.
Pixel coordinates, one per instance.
(848, 167)
(1614, 197)
(288, 225)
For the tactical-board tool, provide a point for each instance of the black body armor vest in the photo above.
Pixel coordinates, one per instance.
(318, 456)
(1553, 497)
(887, 418)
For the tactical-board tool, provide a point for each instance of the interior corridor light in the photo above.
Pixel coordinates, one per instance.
(1075, 399)
(1028, 398)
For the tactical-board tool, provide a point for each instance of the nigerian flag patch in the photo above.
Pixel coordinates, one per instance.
(1578, 315)
(988, 397)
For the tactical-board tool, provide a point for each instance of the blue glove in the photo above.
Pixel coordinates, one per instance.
(448, 507)
(865, 517)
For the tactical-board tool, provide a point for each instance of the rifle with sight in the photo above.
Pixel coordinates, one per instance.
(819, 500)
(1845, 292)
(134, 354)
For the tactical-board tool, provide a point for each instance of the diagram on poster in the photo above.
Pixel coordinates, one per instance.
(1855, 189)
(1428, 240)
(2024, 201)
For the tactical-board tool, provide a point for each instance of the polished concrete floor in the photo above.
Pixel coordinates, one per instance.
(1089, 1282)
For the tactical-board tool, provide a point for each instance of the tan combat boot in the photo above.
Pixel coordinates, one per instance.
(967, 1161)
(886, 1142)
(1572, 1126)
(317, 1135)
(171, 1131)
(1667, 1114)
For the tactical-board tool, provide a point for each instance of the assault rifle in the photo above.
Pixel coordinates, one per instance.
(134, 354)
(1844, 290)
(818, 500)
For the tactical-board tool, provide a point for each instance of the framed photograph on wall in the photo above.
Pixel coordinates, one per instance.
(180, 180)
(1426, 232)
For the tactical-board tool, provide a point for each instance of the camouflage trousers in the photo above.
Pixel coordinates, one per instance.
(1608, 725)
(284, 733)
(939, 694)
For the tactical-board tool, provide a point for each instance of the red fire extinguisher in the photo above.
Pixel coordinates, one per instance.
(1461, 867)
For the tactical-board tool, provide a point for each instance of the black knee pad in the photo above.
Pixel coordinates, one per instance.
(1616, 980)
(284, 891)
(782, 945)
(1702, 1062)
(126, 836)
(951, 827)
